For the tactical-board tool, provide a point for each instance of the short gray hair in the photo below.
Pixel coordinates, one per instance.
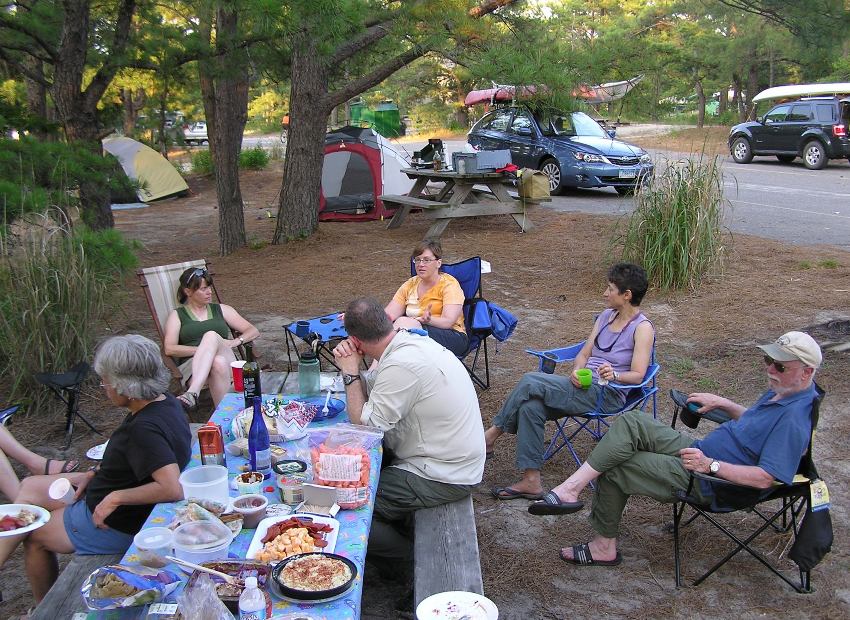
(133, 365)
(365, 318)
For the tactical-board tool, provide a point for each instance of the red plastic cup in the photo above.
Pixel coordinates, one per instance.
(236, 369)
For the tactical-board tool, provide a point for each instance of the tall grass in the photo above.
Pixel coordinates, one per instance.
(676, 230)
(57, 288)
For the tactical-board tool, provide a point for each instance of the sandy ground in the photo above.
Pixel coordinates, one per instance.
(552, 278)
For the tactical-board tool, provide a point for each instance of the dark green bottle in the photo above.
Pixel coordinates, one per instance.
(251, 376)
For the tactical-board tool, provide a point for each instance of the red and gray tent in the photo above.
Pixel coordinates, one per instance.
(359, 166)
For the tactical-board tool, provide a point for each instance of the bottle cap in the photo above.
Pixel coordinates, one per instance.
(250, 582)
(308, 356)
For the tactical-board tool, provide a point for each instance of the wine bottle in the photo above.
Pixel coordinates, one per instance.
(259, 448)
(251, 376)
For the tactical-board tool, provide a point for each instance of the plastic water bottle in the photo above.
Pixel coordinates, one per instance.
(309, 378)
(252, 603)
(259, 448)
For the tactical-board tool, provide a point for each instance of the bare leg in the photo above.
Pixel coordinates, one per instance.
(40, 549)
(570, 488)
(602, 549)
(9, 483)
(14, 450)
(221, 378)
(491, 435)
(211, 346)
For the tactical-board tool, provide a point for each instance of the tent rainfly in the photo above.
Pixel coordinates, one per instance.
(156, 177)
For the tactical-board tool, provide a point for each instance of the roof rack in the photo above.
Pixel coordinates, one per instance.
(819, 97)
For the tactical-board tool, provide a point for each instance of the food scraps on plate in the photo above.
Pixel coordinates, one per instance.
(290, 537)
(13, 522)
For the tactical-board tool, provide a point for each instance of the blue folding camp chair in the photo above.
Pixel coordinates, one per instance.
(594, 422)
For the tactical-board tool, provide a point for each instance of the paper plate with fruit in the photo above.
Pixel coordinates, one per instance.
(18, 519)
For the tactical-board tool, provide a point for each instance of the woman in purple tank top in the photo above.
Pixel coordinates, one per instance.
(619, 348)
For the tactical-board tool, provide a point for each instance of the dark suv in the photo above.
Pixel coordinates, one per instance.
(814, 128)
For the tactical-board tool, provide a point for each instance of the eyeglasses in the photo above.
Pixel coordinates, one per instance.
(424, 261)
(197, 273)
(780, 367)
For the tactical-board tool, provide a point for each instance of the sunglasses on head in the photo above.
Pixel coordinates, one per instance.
(780, 367)
(197, 273)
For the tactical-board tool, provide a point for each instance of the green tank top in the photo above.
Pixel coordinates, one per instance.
(192, 330)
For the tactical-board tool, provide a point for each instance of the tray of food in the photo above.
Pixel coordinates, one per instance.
(276, 539)
(18, 519)
(286, 420)
(229, 593)
(313, 577)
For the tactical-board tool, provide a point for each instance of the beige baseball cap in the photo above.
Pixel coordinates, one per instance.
(795, 346)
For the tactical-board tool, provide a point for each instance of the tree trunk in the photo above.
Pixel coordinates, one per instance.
(298, 213)
(723, 104)
(37, 96)
(752, 89)
(700, 102)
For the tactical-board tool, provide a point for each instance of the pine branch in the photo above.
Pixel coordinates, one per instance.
(354, 88)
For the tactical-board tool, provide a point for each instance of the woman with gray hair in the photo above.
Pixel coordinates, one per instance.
(140, 467)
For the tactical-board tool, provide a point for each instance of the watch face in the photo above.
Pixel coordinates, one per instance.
(714, 467)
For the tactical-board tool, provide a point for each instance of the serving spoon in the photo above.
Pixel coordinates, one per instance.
(228, 578)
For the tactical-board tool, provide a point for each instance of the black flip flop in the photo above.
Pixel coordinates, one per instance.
(583, 557)
(68, 466)
(507, 493)
(551, 504)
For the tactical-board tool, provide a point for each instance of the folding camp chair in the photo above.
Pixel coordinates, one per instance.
(160, 287)
(326, 331)
(66, 386)
(793, 501)
(594, 422)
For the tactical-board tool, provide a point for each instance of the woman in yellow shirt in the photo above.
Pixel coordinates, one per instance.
(431, 300)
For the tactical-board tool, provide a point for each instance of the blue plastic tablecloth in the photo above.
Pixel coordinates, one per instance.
(353, 531)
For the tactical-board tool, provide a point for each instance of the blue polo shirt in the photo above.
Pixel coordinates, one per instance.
(773, 435)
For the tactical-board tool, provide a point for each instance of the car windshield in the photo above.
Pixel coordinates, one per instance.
(553, 123)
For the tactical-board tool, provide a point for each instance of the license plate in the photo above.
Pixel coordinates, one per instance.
(627, 174)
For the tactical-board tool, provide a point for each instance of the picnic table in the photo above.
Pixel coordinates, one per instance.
(351, 541)
(457, 198)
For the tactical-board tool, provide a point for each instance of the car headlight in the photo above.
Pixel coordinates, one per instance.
(645, 158)
(591, 158)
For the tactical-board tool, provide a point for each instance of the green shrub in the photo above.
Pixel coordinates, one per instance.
(57, 288)
(675, 231)
(202, 162)
(254, 159)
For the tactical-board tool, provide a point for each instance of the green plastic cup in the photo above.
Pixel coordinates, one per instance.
(585, 377)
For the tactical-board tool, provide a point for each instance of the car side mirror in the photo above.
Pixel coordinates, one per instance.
(611, 132)
(523, 131)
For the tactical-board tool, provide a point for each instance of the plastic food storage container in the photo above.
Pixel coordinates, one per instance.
(202, 541)
(154, 543)
(206, 482)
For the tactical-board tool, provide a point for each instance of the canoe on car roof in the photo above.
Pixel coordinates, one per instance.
(791, 91)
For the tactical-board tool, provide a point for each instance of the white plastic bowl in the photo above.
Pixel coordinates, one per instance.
(202, 541)
(206, 482)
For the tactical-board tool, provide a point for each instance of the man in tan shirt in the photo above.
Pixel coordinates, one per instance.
(421, 396)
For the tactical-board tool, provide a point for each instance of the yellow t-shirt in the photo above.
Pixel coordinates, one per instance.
(446, 291)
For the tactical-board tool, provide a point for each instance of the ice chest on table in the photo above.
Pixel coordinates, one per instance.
(481, 161)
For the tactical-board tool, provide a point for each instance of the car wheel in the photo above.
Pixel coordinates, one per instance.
(203, 142)
(552, 169)
(742, 153)
(813, 155)
(625, 191)
(786, 159)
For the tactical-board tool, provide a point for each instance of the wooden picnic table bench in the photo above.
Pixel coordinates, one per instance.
(64, 598)
(445, 551)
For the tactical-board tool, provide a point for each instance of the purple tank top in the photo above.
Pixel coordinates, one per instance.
(615, 348)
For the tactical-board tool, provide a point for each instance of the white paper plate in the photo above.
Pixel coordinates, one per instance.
(454, 605)
(96, 453)
(264, 525)
(14, 509)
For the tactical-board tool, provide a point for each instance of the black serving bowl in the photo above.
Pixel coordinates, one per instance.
(312, 595)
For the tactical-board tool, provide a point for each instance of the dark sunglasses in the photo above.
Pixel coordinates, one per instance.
(780, 367)
(197, 273)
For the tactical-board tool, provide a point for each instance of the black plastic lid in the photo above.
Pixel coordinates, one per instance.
(307, 356)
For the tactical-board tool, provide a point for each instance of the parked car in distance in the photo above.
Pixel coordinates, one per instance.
(572, 149)
(196, 133)
(814, 128)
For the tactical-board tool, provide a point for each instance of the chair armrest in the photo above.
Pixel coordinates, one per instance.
(718, 416)
(550, 357)
(648, 378)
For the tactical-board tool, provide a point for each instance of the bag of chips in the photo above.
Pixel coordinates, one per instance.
(116, 586)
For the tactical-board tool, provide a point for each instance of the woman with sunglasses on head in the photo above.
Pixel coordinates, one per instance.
(619, 349)
(140, 467)
(198, 333)
(431, 300)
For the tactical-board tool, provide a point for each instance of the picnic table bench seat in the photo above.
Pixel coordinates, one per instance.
(400, 200)
(64, 598)
(445, 551)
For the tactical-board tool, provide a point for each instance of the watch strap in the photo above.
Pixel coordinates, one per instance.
(349, 379)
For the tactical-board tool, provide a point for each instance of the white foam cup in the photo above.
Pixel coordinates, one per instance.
(62, 491)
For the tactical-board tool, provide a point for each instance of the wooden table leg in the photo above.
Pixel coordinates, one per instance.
(398, 217)
(437, 228)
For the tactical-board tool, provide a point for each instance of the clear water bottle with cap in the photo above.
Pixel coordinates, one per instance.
(252, 603)
(308, 374)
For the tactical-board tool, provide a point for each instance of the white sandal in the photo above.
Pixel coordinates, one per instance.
(189, 400)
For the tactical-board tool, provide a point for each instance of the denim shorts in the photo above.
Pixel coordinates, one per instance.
(89, 539)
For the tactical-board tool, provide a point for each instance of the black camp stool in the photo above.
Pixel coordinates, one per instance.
(66, 386)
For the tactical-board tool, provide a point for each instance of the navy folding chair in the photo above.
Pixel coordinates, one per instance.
(594, 422)
(468, 274)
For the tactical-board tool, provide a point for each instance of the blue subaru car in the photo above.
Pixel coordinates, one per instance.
(572, 149)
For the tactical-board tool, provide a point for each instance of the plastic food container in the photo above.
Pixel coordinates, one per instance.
(154, 543)
(252, 508)
(206, 482)
(291, 487)
(239, 569)
(202, 541)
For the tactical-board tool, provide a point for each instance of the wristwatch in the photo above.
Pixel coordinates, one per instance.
(714, 467)
(349, 379)
(616, 375)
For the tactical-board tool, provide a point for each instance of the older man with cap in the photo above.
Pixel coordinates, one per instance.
(641, 456)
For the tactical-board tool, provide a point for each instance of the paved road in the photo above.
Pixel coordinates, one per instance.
(767, 198)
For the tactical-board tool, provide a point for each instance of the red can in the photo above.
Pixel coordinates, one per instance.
(212, 444)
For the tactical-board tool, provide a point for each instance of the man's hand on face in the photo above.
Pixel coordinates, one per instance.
(348, 357)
